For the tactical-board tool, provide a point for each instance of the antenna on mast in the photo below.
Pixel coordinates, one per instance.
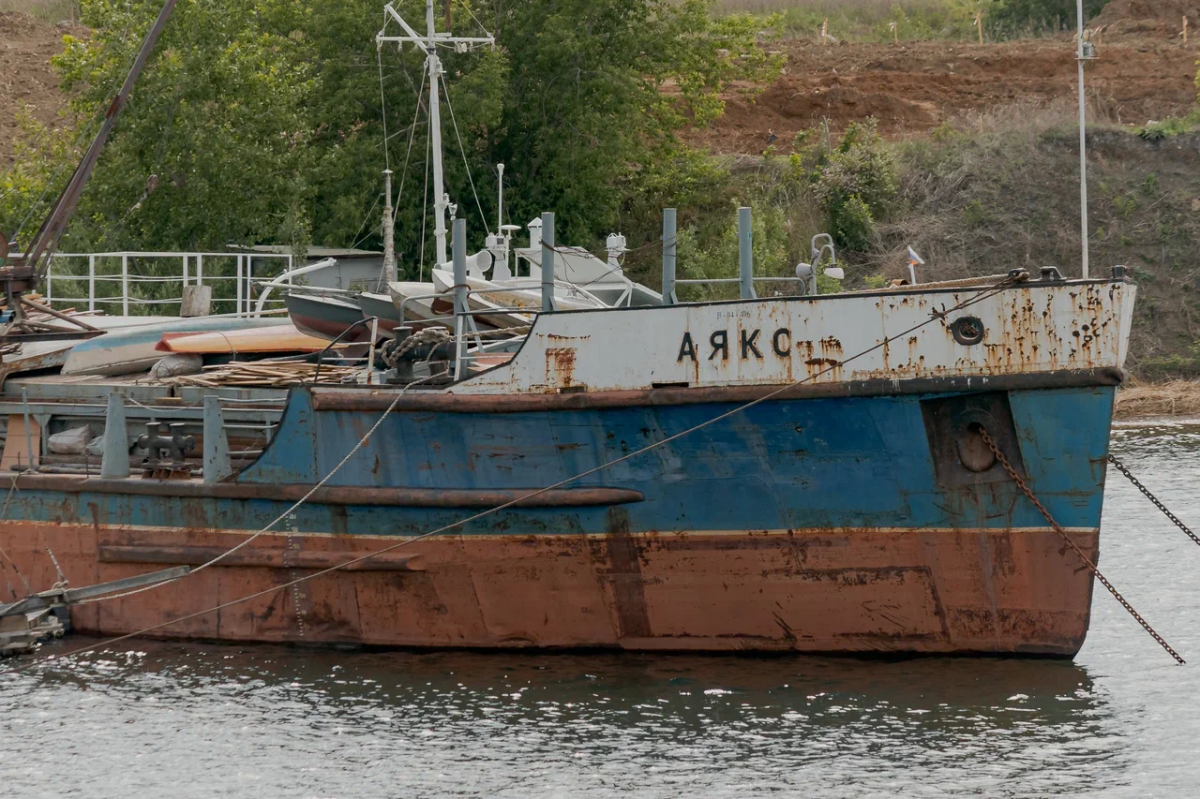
(429, 42)
(1085, 51)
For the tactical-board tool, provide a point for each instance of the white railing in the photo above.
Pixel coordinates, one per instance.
(80, 275)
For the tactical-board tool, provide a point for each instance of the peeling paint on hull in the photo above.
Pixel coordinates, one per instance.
(719, 508)
(919, 591)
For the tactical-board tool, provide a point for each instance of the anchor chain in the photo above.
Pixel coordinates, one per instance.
(1021, 484)
(1138, 485)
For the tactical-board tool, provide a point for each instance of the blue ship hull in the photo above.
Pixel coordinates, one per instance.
(850, 523)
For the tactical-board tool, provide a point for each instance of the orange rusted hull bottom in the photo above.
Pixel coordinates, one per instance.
(906, 591)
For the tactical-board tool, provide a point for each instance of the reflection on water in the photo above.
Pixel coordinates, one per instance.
(197, 720)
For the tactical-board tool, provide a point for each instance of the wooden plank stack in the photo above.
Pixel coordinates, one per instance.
(267, 374)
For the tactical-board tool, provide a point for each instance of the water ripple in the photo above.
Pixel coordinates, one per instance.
(188, 720)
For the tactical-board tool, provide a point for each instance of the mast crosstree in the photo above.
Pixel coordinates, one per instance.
(429, 42)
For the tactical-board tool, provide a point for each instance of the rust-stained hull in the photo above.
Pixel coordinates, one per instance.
(702, 499)
(915, 591)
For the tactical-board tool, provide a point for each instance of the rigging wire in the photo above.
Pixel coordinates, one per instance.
(361, 442)
(408, 153)
(425, 198)
(463, 152)
(936, 315)
(360, 237)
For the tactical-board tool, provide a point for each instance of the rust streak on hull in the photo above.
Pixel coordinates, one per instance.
(861, 590)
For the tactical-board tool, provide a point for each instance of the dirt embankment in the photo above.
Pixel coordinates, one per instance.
(26, 47)
(1142, 400)
(914, 87)
(1161, 19)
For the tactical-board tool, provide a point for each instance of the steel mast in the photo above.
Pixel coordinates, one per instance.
(429, 43)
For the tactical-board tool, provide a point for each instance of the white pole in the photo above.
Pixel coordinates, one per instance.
(91, 282)
(500, 200)
(124, 285)
(440, 201)
(237, 304)
(389, 237)
(1083, 197)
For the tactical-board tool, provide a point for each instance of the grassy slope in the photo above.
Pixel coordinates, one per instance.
(1004, 193)
(51, 11)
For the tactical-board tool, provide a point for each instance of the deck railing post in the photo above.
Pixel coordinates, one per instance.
(200, 269)
(237, 303)
(124, 284)
(458, 249)
(114, 463)
(548, 261)
(668, 239)
(746, 253)
(217, 464)
(91, 282)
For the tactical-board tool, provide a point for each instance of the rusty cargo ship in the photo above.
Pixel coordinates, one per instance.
(572, 461)
(840, 501)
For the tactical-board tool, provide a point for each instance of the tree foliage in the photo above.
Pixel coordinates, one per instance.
(261, 121)
(854, 181)
(1020, 17)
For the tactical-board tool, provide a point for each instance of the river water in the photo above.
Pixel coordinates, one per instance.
(183, 720)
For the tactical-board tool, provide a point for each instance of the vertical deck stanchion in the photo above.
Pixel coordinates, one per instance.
(217, 464)
(746, 254)
(124, 285)
(237, 303)
(114, 463)
(458, 248)
(91, 282)
(668, 237)
(548, 261)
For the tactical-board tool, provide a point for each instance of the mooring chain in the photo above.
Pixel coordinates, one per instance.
(1021, 484)
(1138, 485)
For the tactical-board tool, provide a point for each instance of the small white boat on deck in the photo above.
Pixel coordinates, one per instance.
(519, 292)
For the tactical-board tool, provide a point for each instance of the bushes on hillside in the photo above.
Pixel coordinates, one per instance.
(1012, 18)
(854, 182)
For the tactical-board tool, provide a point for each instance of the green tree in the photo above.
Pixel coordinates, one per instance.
(261, 121)
(1013, 18)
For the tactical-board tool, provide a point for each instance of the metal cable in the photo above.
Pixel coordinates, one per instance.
(1021, 484)
(425, 199)
(935, 316)
(1157, 503)
(462, 151)
(412, 133)
(4, 512)
(281, 516)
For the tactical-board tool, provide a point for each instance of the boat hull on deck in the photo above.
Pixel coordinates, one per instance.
(814, 524)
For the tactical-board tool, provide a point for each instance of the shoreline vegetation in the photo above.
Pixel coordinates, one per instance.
(1144, 400)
